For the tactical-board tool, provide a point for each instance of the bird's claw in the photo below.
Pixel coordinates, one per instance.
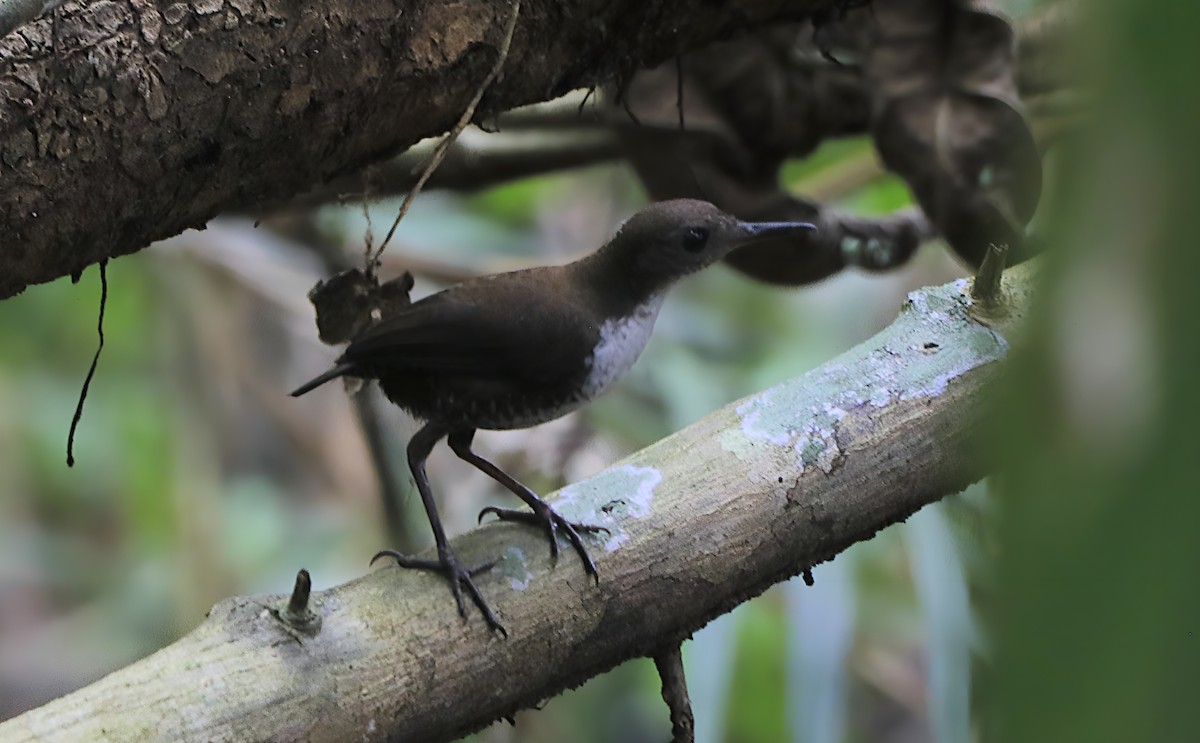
(459, 577)
(553, 521)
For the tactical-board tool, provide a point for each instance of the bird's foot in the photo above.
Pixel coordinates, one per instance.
(448, 565)
(543, 515)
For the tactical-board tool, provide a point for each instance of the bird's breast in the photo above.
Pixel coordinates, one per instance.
(621, 342)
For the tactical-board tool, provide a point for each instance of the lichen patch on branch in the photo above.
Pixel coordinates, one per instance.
(906, 362)
(593, 501)
(515, 567)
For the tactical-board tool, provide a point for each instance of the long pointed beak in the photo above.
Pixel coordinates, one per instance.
(751, 232)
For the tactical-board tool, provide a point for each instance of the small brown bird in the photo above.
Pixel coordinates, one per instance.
(517, 349)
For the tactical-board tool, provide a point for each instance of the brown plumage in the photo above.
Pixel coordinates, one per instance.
(517, 349)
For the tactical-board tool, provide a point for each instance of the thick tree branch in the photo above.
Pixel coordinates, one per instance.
(568, 137)
(123, 121)
(709, 517)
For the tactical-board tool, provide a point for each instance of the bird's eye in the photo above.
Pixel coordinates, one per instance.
(694, 239)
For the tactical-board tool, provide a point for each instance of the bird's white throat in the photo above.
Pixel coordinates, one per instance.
(621, 342)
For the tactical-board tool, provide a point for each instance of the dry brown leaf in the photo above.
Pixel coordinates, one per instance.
(947, 118)
(748, 105)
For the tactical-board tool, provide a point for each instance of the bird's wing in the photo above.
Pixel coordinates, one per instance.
(503, 331)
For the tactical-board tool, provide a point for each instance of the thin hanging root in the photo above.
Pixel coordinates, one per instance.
(366, 210)
(679, 91)
(440, 152)
(92, 369)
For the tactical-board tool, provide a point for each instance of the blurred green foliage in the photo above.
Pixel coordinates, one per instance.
(1098, 613)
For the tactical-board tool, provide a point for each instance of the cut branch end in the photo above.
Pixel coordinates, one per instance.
(986, 289)
(297, 615)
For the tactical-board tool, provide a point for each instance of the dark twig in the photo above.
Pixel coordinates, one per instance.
(586, 96)
(444, 145)
(669, 663)
(469, 167)
(390, 492)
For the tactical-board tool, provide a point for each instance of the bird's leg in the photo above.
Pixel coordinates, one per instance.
(447, 563)
(543, 514)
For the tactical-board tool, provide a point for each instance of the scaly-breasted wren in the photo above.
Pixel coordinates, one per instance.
(517, 349)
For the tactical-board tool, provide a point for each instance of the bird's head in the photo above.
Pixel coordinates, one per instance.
(671, 239)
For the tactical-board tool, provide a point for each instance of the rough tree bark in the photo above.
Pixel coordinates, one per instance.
(709, 517)
(127, 121)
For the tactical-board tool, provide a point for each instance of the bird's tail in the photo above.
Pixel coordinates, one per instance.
(337, 371)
